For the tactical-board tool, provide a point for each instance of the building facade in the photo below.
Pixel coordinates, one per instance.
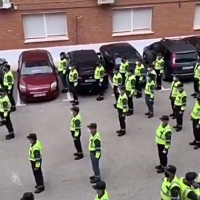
(46, 23)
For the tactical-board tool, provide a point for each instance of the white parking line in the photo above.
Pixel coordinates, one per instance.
(19, 101)
(69, 97)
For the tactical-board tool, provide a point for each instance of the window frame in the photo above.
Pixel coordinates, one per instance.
(196, 27)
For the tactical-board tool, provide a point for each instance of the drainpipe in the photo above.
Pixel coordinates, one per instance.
(77, 28)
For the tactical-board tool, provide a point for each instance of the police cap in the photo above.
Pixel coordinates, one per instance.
(75, 109)
(171, 169)
(28, 196)
(62, 54)
(92, 126)
(190, 176)
(32, 136)
(164, 118)
(101, 185)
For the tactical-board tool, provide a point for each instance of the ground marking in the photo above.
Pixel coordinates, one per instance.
(69, 97)
(19, 101)
(15, 179)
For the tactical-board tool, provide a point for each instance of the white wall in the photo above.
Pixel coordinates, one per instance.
(12, 55)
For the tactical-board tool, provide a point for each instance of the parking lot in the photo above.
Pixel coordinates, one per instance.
(127, 163)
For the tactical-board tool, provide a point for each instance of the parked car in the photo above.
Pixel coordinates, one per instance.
(180, 57)
(85, 62)
(113, 54)
(37, 79)
(194, 41)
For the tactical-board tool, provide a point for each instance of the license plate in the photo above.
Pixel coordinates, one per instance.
(39, 95)
(90, 80)
(190, 67)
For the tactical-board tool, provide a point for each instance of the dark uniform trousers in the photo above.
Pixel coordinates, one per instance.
(162, 156)
(116, 92)
(130, 103)
(74, 91)
(123, 78)
(11, 97)
(196, 131)
(158, 79)
(122, 118)
(99, 86)
(77, 142)
(63, 78)
(38, 175)
(196, 85)
(172, 99)
(7, 122)
(138, 87)
(178, 115)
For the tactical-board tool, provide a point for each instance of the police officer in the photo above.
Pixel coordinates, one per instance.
(5, 108)
(73, 83)
(35, 157)
(75, 129)
(62, 70)
(196, 78)
(28, 196)
(163, 141)
(158, 66)
(173, 93)
(130, 90)
(187, 190)
(99, 77)
(152, 71)
(180, 106)
(8, 84)
(195, 118)
(102, 194)
(123, 69)
(170, 185)
(122, 108)
(117, 81)
(139, 76)
(95, 152)
(149, 95)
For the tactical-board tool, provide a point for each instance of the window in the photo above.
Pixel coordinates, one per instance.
(42, 26)
(132, 20)
(197, 17)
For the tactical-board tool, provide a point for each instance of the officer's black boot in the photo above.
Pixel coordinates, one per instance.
(130, 112)
(79, 156)
(72, 101)
(158, 167)
(39, 189)
(147, 113)
(115, 105)
(10, 136)
(194, 94)
(150, 115)
(119, 131)
(100, 98)
(161, 170)
(197, 146)
(171, 115)
(95, 180)
(192, 143)
(92, 177)
(179, 128)
(75, 103)
(175, 127)
(123, 132)
(13, 109)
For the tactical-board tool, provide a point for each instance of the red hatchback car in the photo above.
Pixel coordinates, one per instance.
(37, 78)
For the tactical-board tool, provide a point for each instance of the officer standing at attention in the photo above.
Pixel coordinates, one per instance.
(139, 76)
(158, 66)
(152, 71)
(5, 109)
(173, 93)
(117, 81)
(62, 70)
(196, 78)
(170, 186)
(122, 108)
(99, 76)
(75, 129)
(130, 90)
(186, 185)
(195, 118)
(163, 141)
(123, 69)
(149, 95)
(8, 83)
(179, 107)
(95, 151)
(35, 157)
(102, 194)
(28, 196)
(73, 83)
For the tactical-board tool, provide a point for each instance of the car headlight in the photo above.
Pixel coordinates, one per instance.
(22, 88)
(54, 85)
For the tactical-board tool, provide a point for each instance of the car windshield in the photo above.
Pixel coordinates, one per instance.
(36, 68)
(131, 57)
(186, 57)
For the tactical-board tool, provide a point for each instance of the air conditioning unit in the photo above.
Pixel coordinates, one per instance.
(5, 4)
(102, 2)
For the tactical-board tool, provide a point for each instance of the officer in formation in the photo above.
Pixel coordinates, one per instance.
(163, 141)
(117, 81)
(195, 118)
(73, 84)
(35, 158)
(140, 77)
(28, 196)
(123, 69)
(179, 107)
(8, 84)
(94, 148)
(75, 129)
(158, 66)
(149, 95)
(62, 70)
(170, 188)
(152, 71)
(99, 77)
(122, 108)
(196, 78)
(5, 109)
(100, 188)
(173, 93)
(130, 90)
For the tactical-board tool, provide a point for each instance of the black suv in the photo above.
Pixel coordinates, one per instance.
(180, 57)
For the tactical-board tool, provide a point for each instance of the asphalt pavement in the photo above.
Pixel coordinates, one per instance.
(127, 163)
